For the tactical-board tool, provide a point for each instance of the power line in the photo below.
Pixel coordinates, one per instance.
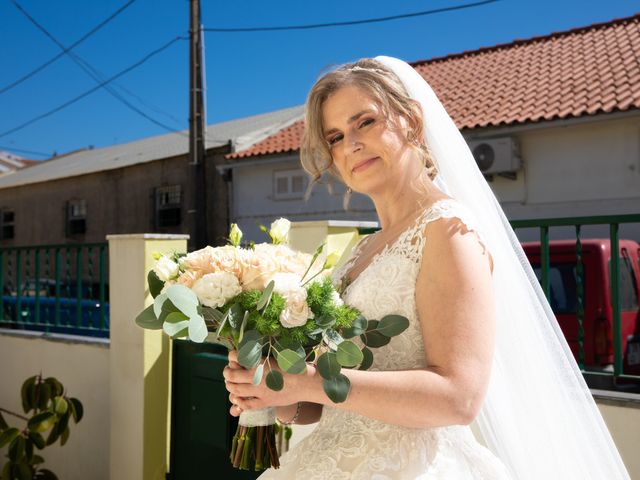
(351, 22)
(91, 71)
(21, 150)
(90, 91)
(72, 46)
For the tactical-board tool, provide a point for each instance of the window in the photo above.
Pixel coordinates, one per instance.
(168, 206)
(76, 217)
(7, 222)
(562, 280)
(289, 184)
(628, 284)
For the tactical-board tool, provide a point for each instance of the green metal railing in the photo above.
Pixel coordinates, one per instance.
(55, 288)
(614, 221)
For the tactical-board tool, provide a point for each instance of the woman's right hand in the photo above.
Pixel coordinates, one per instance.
(234, 410)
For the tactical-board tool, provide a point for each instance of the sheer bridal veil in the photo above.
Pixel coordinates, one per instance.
(539, 417)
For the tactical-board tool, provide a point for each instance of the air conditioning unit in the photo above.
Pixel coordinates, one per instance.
(496, 155)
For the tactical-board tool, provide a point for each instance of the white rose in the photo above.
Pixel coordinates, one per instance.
(216, 289)
(279, 232)
(166, 269)
(296, 311)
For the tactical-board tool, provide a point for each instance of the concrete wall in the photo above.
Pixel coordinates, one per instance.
(83, 368)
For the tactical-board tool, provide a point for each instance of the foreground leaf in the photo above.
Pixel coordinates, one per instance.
(249, 354)
(147, 319)
(184, 299)
(367, 359)
(328, 365)
(348, 354)
(257, 376)
(337, 388)
(8, 435)
(155, 284)
(77, 410)
(265, 298)
(197, 329)
(275, 380)
(392, 325)
(42, 421)
(291, 362)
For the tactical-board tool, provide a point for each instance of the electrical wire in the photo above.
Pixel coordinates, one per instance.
(36, 70)
(91, 90)
(93, 73)
(351, 22)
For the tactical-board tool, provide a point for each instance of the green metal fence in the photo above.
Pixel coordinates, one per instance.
(613, 222)
(55, 288)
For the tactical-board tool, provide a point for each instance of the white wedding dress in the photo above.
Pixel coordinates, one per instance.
(346, 445)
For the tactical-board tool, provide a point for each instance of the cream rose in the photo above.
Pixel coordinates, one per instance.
(258, 267)
(296, 311)
(216, 289)
(166, 269)
(199, 260)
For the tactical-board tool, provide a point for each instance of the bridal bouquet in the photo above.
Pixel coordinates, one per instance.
(266, 300)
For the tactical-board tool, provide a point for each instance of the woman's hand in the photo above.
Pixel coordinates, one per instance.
(244, 395)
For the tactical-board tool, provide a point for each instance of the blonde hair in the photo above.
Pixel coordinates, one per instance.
(384, 86)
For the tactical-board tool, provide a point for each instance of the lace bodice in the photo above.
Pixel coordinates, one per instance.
(346, 445)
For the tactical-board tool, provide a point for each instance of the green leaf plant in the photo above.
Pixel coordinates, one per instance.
(48, 410)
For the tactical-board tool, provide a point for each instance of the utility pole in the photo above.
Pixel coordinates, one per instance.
(197, 208)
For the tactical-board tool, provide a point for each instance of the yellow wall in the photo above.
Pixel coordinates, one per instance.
(83, 368)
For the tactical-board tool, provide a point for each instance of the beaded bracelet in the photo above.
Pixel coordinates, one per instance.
(295, 417)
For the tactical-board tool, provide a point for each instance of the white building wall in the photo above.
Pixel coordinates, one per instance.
(569, 169)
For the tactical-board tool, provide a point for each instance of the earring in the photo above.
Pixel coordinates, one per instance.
(346, 198)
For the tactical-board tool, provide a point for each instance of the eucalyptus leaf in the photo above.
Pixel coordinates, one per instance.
(374, 339)
(155, 284)
(249, 354)
(223, 322)
(250, 336)
(325, 321)
(392, 325)
(257, 376)
(243, 325)
(367, 359)
(337, 388)
(358, 327)
(8, 435)
(332, 339)
(236, 314)
(147, 319)
(197, 329)
(348, 354)
(176, 317)
(173, 329)
(265, 298)
(291, 362)
(212, 314)
(158, 302)
(328, 365)
(184, 299)
(275, 380)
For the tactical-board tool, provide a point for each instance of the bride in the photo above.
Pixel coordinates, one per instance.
(483, 343)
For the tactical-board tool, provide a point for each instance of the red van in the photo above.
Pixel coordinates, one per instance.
(598, 313)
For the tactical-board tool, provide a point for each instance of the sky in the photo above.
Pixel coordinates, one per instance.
(246, 73)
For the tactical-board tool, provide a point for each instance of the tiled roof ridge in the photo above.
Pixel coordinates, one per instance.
(525, 41)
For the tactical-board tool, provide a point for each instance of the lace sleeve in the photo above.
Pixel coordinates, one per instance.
(454, 209)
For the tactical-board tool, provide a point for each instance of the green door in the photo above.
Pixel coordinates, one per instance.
(201, 427)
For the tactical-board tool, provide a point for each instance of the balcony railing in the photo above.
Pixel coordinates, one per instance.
(55, 288)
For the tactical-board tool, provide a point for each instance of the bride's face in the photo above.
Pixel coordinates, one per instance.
(368, 150)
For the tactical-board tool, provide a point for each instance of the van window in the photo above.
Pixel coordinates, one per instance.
(628, 284)
(562, 279)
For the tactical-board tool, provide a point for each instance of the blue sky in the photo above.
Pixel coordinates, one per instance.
(246, 73)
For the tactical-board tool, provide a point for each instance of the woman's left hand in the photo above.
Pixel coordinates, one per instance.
(247, 396)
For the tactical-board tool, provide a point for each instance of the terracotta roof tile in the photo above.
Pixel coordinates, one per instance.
(583, 71)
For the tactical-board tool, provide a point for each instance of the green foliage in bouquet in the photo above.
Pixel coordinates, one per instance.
(51, 409)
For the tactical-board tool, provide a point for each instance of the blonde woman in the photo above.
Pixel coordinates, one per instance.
(482, 344)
